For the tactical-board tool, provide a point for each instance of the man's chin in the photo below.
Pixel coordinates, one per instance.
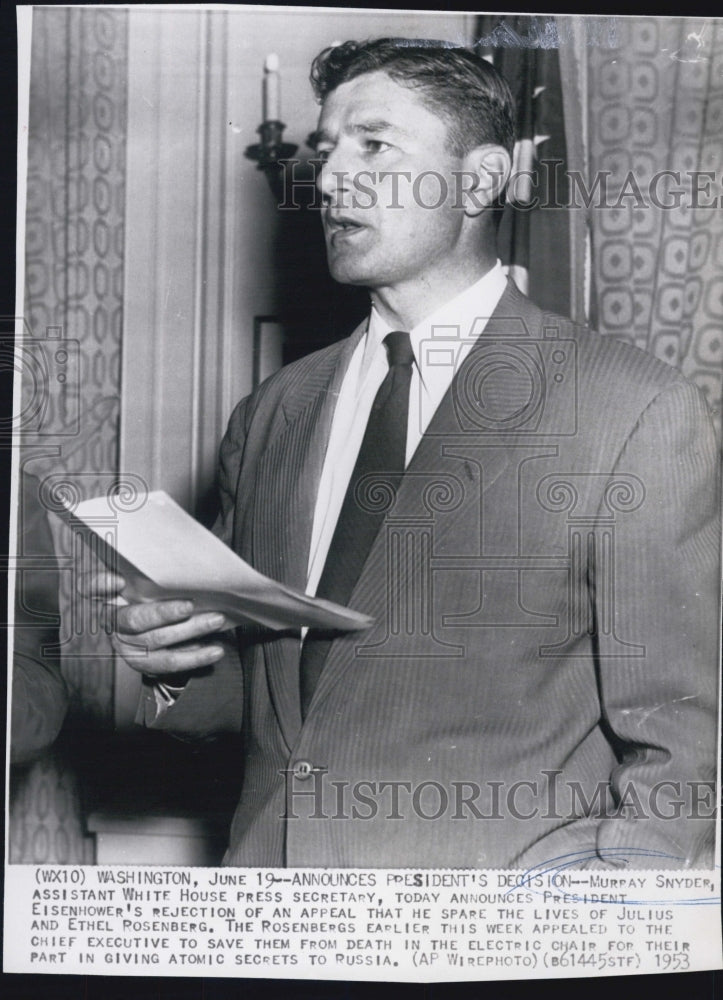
(349, 275)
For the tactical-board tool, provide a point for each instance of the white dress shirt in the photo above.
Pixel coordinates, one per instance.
(440, 343)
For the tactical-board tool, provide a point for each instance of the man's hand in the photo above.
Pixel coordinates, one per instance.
(157, 638)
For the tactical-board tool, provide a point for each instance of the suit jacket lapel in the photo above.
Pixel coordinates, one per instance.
(287, 483)
(514, 316)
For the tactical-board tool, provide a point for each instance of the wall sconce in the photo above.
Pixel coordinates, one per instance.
(272, 150)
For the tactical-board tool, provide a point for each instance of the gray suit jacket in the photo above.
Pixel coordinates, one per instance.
(540, 682)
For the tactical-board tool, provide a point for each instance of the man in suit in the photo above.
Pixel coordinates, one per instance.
(535, 538)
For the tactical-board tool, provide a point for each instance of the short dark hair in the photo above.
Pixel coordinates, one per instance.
(462, 88)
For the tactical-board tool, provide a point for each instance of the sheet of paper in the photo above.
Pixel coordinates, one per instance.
(164, 553)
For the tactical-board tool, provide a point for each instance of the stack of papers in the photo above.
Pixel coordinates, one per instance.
(163, 553)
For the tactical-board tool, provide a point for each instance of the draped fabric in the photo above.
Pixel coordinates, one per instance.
(656, 104)
(73, 316)
(640, 252)
(533, 240)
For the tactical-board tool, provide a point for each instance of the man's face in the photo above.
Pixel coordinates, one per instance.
(386, 231)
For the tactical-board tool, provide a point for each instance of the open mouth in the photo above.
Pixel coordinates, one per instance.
(341, 227)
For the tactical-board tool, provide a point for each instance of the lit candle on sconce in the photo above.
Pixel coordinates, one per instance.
(271, 152)
(271, 89)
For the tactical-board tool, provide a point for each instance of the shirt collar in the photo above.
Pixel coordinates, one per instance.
(463, 317)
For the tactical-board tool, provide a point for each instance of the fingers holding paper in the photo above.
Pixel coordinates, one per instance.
(157, 637)
(166, 660)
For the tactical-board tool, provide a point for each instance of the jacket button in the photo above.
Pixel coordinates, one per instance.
(302, 769)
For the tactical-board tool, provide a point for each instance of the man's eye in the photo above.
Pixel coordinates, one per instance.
(323, 154)
(375, 146)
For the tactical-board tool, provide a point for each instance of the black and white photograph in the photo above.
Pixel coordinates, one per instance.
(365, 547)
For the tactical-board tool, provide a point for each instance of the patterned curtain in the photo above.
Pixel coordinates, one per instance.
(655, 104)
(73, 321)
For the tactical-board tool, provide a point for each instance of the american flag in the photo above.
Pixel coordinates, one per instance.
(533, 238)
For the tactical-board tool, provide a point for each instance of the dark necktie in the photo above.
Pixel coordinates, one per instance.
(382, 453)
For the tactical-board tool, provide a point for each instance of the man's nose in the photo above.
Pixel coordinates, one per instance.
(335, 178)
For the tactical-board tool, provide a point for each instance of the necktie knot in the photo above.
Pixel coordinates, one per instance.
(399, 348)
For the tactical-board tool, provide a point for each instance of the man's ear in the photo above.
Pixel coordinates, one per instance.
(486, 171)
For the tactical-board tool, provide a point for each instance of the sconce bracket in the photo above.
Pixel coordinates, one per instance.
(272, 148)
